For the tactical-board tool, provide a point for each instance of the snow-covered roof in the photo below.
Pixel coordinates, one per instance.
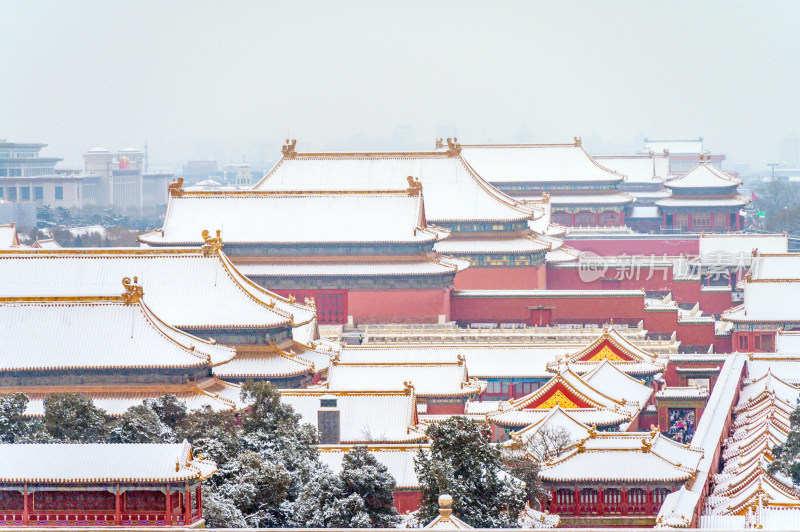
(186, 288)
(101, 463)
(64, 333)
(209, 393)
(646, 168)
(375, 416)
(769, 384)
(704, 175)
(644, 212)
(548, 293)
(265, 365)
(46, 243)
(677, 201)
(729, 249)
(453, 191)
(555, 419)
(621, 457)
(267, 217)
(398, 459)
(8, 236)
(787, 342)
(609, 198)
(512, 244)
(760, 297)
(607, 376)
(682, 392)
(415, 265)
(431, 379)
(775, 266)
(536, 163)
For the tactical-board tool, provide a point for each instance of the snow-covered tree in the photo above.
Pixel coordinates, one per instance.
(464, 463)
(364, 476)
(140, 424)
(13, 426)
(73, 418)
(170, 410)
(787, 455)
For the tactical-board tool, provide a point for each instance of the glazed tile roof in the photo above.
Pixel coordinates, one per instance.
(264, 217)
(647, 168)
(8, 236)
(185, 288)
(444, 177)
(62, 333)
(539, 163)
(704, 175)
(374, 416)
(730, 249)
(422, 265)
(432, 379)
(398, 459)
(100, 463)
(512, 244)
(624, 457)
(786, 362)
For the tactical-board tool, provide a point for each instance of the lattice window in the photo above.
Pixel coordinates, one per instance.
(588, 498)
(561, 218)
(145, 501)
(659, 494)
(609, 218)
(11, 500)
(637, 501)
(612, 501)
(585, 219)
(74, 500)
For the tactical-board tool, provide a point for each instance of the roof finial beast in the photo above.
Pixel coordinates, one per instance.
(414, 186)
(578, 141)
(288, 149)
(439, 144)
(212, 245)
(176, 187)
(453, 147)
(133, 290)
(701, 157)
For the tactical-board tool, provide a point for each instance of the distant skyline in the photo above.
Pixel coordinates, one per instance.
(206, 80)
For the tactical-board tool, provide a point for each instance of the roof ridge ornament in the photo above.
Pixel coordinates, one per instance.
(414, 186)
(439, 144)
(288, 149)
(578, 141)
(212, 245)
(453, 147)
(133, 291)
(176, 187)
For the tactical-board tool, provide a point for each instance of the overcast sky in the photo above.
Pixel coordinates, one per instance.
(226, 80)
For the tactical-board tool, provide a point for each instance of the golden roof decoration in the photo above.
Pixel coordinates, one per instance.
(212, 245)
(310, 302)
(133, 291)
(439, 143)
(176, 187)
(414, 186)
(453, 147)
(578, 141)
(288, 149)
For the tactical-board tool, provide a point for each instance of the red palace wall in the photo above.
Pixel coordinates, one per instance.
(715, 302)
(399, 306)
(444, 408)
(502, 278)
(723, 344)
(672, 378)
(696, 333)
(659, 279)
(589, 309)
(609, 247)
(407, 500)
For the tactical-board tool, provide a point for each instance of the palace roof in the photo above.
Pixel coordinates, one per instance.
(645, 168)
(618, 349)
(513, 244)
(677, 201)
(557, 419)
(365, 416)
(101, 463)
(730, 249)
(760, 297)
(704, 175)
(609, 198)
(768, 384)
(415, 265)
(101, 332)
(537, 163)
(781, 363)
(186, 288)
(774, 266)
(269, 217)
(398, 459)
(624, 457)
(8, 236)
(453, 191)
(209, 393)
(46, 243)
(608, 376)
(586, 403)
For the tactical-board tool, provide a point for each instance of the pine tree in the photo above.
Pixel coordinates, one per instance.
(464, 463)
(13, 425)
(140, 424)
(73, 418)
(364, 476)
(787, 455)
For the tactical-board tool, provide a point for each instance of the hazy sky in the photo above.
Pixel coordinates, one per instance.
(231, 79)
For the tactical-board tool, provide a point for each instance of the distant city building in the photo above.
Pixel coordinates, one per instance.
(194, 171)
(123, 181)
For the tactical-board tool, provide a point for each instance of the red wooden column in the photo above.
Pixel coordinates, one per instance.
(118, 506)
(600, 502)
(199, 495)
(572, 219)
(25, 507)
(553, 501)
(649, 504)
(712, 221)
(577, 503)
(624, 501)
(168, 518)
(187, 500)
